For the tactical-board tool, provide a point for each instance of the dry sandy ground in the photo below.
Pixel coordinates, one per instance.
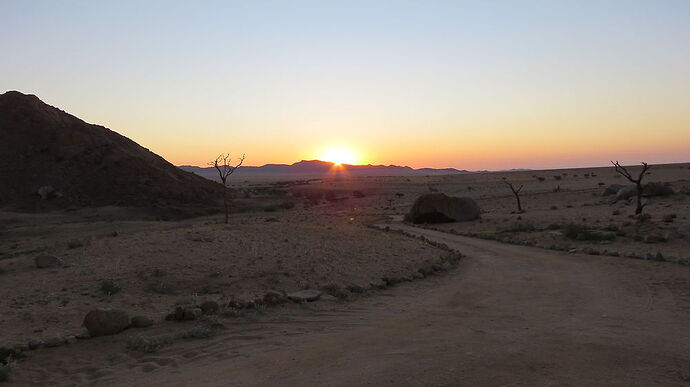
(579, 201)
(160, 265)
(508, 315)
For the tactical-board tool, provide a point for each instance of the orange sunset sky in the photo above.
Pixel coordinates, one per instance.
(471, 85)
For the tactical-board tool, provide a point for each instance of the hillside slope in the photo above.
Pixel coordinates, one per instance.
(85, 164)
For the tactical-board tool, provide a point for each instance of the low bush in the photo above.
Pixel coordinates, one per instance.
(110, 287)
(582, 233)
(152, 344)
(335, 291)
(5, 369)
(521, 227)
(147, 344)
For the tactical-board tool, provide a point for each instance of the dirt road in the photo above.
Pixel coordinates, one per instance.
(508, 315)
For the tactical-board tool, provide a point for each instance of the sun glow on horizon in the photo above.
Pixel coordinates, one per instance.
(338, 156)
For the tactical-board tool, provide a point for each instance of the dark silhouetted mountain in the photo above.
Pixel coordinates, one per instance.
(317, 168)
(78, 163)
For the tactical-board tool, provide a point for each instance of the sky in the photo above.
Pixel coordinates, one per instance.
(466, 84)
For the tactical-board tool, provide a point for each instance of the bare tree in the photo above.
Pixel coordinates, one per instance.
(516, 192)
(223, 165)
(638, 182)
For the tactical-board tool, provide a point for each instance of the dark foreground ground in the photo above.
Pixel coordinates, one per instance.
(508, 315)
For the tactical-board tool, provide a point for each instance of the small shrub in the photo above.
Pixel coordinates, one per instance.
(521, 227)
(335, 291)
(158, 273)
(153, 344)
(6, 365)
(196, 333)
(2, 270)
(581, 233)
(5, 370)
(358, 194)
(110, 287)
(208, 289)
(147, 344)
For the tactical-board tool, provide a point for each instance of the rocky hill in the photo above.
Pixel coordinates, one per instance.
(51, 159)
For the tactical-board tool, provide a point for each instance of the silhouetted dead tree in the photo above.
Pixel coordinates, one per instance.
(225, 169)
(516, 192)
(637, 181)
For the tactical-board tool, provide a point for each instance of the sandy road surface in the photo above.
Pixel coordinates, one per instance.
(508, 315)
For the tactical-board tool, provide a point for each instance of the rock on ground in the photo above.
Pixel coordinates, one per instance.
(101, 322)
(47, 261)
(307, 295)
(439, 207)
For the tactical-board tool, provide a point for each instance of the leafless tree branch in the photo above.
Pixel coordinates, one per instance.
(637, 181)
(223, 165)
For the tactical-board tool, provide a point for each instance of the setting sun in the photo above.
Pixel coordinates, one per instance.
(338, 156)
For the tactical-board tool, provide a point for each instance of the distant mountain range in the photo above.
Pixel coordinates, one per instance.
(320, 168)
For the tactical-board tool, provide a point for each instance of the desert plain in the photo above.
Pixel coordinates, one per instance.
(319, 281)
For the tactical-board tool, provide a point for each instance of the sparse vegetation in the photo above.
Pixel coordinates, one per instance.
(147, 344)
(335, 291)
(200, 332)
(110, 287)
(5, 370)
(521, 227)
(582, 233)
(152, 344)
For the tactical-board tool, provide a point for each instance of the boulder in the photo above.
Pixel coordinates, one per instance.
(45, 261)
(102, 322)
(613, 189)
(307, 295)
(439, 207)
